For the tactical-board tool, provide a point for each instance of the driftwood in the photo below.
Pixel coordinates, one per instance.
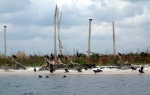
(58, 27)
(49, 64)
(18, 66)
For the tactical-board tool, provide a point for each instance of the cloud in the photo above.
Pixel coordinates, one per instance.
(30, 25)
(30, 46)
(12, 6)
(27, 13)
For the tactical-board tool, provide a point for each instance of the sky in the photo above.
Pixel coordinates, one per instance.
(30, 26)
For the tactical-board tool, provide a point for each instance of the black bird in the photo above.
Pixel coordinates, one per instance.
(79, 70)
(133, 68)
(64, 76)
(90, 66)
(85, 68)
(119, 54)
(52, 57)
(141, 70)
(66, 70)
(51, 68)
(78, 55)
(40, 76)
(34, 69)
(47, 76)
(46, 56)
(14, 56)
(59, 56)
(98, 70)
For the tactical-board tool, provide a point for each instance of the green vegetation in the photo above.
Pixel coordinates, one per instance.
(81, 61)
(38, 60)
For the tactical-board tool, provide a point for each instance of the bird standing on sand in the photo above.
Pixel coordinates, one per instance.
(79, 70)
(133, 68)
(66, 70)
(51, 68)
(85, 68)
(141, 70)
(34, 69)
(98, 70)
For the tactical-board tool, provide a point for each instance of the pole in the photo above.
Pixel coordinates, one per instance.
(89, 37)
(5, 39)
(55, 51)
(5, 43)
(114, 39)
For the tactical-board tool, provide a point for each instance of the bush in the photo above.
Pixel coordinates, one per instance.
(80, 61)
(95, 56)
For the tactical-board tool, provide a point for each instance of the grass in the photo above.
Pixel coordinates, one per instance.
(38, 60)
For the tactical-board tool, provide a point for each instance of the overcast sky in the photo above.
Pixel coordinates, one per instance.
(30, 25)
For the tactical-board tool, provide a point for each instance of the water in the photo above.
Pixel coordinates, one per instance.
(75, 85)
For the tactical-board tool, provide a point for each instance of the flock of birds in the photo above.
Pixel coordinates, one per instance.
(133, 68)
(67, 71)
(86, 68)
(64, 76)
(140, 70)
(78, 69)
(95, 71)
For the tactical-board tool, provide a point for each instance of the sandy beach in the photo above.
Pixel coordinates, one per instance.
(30, 71)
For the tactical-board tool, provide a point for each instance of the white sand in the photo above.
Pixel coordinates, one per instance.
(30, 71)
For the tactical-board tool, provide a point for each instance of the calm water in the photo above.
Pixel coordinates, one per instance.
(75, 85)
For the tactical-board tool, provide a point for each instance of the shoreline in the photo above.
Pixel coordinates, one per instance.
(30, 71)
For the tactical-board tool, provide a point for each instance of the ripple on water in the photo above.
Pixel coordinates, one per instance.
(75, 84)
(27, 94)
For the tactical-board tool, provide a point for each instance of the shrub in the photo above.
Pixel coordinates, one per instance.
(80, 61)
(95, 55)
